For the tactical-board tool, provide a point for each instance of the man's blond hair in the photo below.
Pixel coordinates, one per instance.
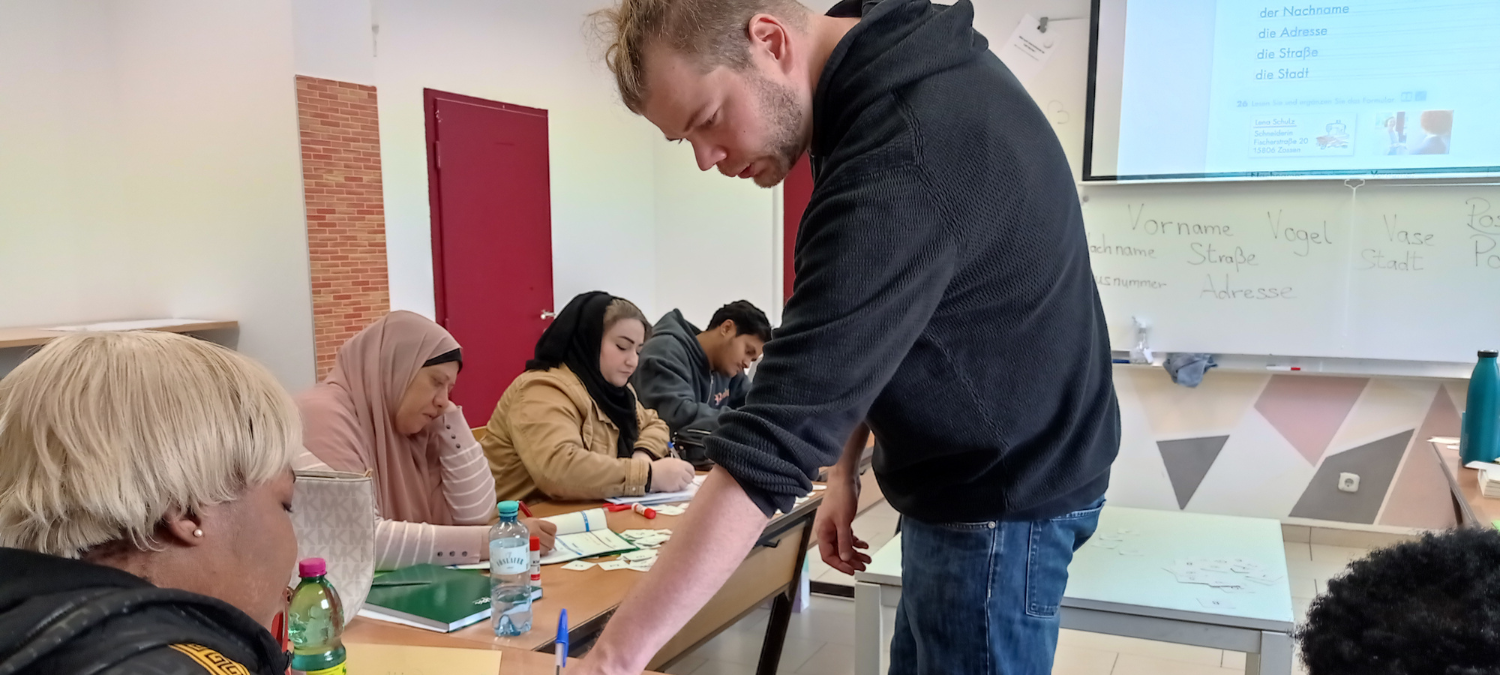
(103, 434)
(712, 31)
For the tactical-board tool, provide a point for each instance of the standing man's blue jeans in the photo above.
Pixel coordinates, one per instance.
(982, 598)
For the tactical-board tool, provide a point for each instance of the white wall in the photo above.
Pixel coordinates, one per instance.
(715, 238)
(151, 169)
(515, 51)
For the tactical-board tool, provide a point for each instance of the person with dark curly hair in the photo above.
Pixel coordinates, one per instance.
(1424, 607)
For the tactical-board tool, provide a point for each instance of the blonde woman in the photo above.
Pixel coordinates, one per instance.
(145, 486)
(570, 427)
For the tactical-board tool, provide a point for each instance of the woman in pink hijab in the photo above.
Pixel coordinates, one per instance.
(384, 409)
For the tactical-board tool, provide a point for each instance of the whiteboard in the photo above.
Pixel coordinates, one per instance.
(1396, 271)
(1308, 269)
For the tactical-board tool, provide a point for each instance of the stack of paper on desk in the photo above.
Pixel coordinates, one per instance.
(662, 497)
(1489, 481)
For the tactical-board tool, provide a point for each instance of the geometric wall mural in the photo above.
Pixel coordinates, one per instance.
(1308, 411)
(1375, 464)
(1410, 502)
(1234, 445)
(1188, 461)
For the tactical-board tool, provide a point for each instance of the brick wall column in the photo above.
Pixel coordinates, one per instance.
(340, 134)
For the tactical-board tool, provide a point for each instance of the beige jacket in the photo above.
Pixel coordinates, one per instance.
(548, 439)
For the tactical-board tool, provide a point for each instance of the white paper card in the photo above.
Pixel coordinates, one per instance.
(614, 565)
(569, 547)
(578, 566)
(1028, 49)
(1216, 603)
(580, 521)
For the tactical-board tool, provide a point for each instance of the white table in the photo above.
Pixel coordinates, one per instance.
(1134, 596)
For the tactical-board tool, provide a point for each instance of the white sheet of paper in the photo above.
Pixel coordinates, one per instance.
(670, 510)
(1132, 552)
(1215, 603)
(614, 565)
(655, 498)
(1267, 578)
(580, 521)
(578, 566)
(585, 545)
(1029, 49)
(639, 556)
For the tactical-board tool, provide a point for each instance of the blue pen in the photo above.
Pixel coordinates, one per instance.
(562, 641)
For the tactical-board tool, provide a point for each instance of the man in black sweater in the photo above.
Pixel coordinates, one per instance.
(943, 296)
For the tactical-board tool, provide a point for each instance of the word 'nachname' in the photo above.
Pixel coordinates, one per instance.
(1309, 10)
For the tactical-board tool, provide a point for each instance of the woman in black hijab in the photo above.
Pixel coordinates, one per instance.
(570, 426)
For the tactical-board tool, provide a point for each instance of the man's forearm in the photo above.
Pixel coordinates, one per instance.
(704, 551)
(848, 464)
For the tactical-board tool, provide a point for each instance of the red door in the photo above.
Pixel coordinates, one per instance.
(491, 238)
(796, 192)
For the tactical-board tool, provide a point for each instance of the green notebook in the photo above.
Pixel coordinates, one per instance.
(430, 597)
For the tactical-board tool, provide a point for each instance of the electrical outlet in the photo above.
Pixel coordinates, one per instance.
(1348, 482)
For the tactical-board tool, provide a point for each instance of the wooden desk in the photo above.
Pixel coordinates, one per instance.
(1470, 507)
(771, 571)
(522, 662)
(31, 337)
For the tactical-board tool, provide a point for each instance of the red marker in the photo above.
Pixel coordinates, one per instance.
(649, 513)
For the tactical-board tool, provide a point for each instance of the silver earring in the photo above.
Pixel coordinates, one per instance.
(197, 533)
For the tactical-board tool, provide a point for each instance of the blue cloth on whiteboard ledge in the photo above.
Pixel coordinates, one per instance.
(1187, 369)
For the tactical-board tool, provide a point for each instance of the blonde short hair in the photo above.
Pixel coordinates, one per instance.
(103, 434)
(713, 31)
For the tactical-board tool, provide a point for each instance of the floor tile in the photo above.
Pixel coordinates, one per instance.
(1302, 587)
(832, 659)
(1315, 569)
(1081, 661)
(1131, 664)
(724, 668)
(1341, 555)
(1123, 645)
(687, 665)
(743, 647)
(827, 620)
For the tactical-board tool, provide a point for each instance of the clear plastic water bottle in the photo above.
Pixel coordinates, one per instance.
(510, 573)
(315, 622)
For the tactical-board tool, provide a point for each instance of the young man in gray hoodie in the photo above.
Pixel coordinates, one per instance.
(690, 376)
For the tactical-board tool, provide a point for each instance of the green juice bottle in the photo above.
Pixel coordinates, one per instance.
(315, 623)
